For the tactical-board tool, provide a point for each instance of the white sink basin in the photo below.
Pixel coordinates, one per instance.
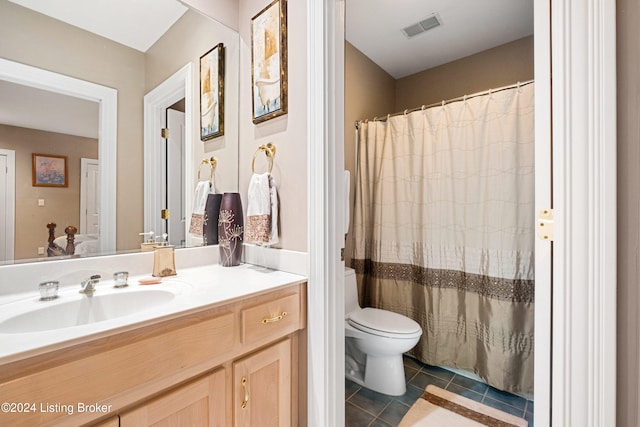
(76, 309)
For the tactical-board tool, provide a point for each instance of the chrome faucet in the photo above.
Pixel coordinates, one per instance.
(89, 285)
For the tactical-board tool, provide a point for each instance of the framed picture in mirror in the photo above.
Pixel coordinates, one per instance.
(212, 93)
(49, 171)
(269, 61)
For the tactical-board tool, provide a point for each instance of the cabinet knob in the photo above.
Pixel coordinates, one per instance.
(246, 392)
(275, 319)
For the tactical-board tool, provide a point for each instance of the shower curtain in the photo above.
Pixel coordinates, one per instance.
(444, 229)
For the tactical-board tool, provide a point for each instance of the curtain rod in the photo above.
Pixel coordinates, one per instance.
(449, 101)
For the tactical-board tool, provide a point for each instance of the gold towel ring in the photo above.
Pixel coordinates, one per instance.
(213, 163)
(269, 151)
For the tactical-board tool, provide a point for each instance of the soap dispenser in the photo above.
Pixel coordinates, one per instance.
(163, 261)
(163, 258)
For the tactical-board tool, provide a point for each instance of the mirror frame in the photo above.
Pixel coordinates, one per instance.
(107, 98)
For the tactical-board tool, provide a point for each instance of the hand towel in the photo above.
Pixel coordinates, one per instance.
(262, 210)
(273, 193)
(199, 203)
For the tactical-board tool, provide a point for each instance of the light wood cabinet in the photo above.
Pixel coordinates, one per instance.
(185, 370)
(111, 422)
(262, 388)
(200, 403)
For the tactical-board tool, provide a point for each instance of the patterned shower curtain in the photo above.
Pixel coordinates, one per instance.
(444, 228)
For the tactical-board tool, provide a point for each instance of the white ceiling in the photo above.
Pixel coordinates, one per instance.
(139, 28)
(134, 23)
(27, 107)
(468, 26)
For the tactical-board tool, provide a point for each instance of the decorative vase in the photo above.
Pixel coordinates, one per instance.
(230, 229)
(211, 213)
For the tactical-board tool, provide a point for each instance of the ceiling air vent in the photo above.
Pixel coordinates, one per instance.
(420, 27)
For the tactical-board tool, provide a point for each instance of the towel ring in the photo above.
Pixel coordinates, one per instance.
(269, 151)
(213, 163)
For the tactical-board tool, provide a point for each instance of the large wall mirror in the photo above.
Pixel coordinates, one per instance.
(80, 90)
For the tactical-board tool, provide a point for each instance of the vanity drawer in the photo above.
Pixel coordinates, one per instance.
(271, 319)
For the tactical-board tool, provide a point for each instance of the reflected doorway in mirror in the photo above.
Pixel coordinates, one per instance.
(7, 206)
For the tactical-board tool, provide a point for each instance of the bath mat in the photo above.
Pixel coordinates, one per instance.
(438, 407)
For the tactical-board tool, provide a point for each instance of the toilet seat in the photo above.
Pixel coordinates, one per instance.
(384, 323)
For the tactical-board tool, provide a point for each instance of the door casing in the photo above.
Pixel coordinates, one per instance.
(579, 40)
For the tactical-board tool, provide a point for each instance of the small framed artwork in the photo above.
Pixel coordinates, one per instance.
(269, 61)
(212, 93)
(49, 171)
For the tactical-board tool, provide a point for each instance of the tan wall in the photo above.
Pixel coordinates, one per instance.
(493, 68)
(185, 42)
(62, 205)
(53, 45)
(361, 75)
(287, 132)
(628, 32)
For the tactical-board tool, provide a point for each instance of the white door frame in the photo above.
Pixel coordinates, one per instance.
(583, 355)
(176, 122)
(9, 231)
(543, 191)
(167, 93)
(107, 131)
(583, 384)
(84, 166)
(325, 136)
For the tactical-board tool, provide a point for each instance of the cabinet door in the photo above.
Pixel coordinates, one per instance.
(201, 403)
(111, 422)
(262, 387)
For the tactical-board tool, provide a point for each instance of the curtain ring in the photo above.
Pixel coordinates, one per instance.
(405, 112)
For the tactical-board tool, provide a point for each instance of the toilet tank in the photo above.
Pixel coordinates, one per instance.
(350, 291)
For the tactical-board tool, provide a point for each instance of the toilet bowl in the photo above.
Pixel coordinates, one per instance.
(374, 343)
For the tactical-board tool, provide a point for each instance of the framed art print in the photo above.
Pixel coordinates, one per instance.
(212, 93)
(49, 171)
(269, 62)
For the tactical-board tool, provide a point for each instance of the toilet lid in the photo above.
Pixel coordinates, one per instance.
(386, 322)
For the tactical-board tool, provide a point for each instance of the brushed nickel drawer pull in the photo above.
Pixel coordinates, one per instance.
(246, 393)
(275, 319)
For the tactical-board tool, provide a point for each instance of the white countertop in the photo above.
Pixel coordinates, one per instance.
(195, 288)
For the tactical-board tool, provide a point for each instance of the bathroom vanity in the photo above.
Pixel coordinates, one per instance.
(230, 350)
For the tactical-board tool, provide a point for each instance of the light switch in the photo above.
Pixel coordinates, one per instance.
(40, 202)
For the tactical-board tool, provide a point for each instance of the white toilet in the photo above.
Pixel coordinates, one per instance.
(375, 342)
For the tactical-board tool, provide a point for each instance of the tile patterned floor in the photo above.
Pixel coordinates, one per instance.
(366, 408)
